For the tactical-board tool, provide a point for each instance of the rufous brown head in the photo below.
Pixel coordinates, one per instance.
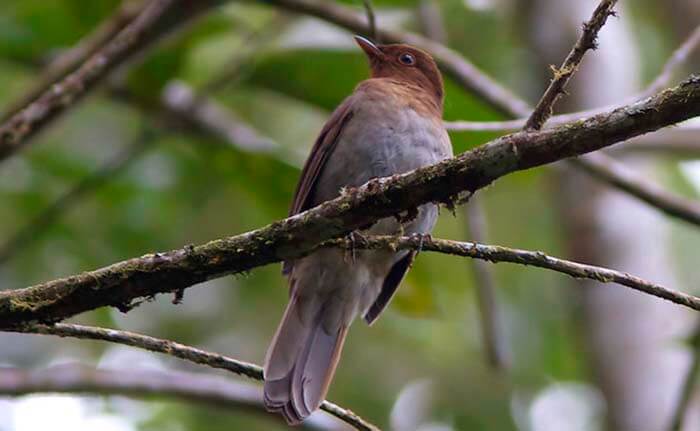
(404, 62)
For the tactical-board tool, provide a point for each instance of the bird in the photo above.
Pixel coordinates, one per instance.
(390, 124)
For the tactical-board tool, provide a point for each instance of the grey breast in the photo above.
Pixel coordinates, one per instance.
(380, 141)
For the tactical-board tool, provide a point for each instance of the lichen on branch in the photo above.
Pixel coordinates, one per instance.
(122, 283)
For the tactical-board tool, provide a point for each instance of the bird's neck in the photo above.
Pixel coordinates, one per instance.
(413, 94)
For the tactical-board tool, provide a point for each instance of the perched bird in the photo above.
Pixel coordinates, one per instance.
(391, 123)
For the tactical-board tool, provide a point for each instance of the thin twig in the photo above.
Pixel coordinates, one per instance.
(677, 59)
(690, 384)
(587, 40)
(35, 227)
(68, 61)
(207, 390)
(491, 324)
(371, 20)
(538, 259)
(181, 351)
(600, 167)
(120, 284)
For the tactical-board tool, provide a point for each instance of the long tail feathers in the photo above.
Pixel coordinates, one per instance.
(301, 362)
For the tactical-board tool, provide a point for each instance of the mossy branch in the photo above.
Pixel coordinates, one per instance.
(121, 283)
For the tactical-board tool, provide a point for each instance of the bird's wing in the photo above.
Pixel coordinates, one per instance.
(325, 143)
(391, 283)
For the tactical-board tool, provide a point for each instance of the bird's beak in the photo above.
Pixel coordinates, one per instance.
(372, 51)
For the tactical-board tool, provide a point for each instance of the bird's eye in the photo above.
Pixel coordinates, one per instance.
(407, 59)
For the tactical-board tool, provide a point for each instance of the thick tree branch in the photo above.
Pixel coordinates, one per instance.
(79, 379)
(161, 16)
(587, 40)
(453, 64)
(121, 283)
(463, 72)
(181, 351)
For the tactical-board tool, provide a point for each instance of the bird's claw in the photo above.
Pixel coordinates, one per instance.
(353, 238)
(421, 238)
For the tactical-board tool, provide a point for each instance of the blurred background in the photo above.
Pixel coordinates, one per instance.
(133, 170)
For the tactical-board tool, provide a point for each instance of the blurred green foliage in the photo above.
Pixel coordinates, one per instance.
(189, 188)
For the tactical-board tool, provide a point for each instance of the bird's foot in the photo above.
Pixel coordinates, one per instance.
(421, 238)
(353, 238)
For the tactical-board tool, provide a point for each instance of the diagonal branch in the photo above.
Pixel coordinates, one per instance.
(80, 379)
(13, 134)
(121, 283)
(677, 59)
(67, 62)
(625, 179)
(603, 167)
(586, 41)
(156, 19)
(20, 127)
(181, 351)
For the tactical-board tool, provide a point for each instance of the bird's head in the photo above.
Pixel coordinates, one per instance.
(405, 63)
